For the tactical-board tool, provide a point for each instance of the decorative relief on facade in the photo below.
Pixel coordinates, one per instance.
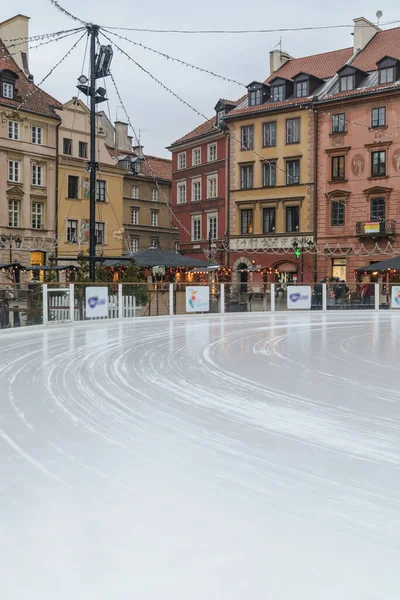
(278, 243)
(396, 161)
(358, 165)
(337, 140)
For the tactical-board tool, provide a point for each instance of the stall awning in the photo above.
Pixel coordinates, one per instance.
(385, 265)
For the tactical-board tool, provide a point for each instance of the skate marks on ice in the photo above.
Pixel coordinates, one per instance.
(240, 456)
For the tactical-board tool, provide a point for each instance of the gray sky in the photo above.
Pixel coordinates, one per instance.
(244, 58)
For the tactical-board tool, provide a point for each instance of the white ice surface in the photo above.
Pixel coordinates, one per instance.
(246, 457)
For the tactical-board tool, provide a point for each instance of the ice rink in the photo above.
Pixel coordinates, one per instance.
(251, 457)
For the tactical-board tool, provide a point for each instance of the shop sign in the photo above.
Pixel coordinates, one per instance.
(299, 296)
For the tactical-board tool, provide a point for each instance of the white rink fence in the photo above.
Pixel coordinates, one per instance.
(43, 304)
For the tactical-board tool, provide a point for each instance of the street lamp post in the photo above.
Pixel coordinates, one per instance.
(299, 246)
(10, 240)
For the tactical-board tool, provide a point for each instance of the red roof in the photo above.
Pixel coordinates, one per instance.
(323, 65)
(160, 167)
(202, 129)
(384, 43)
(32, 98)
(366, 90)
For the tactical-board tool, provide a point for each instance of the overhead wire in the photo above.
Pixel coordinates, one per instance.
(174, 59)
(61, 37)
(66, 12)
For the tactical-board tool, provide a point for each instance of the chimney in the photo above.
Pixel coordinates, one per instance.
(277, 58)
(122, 140)
(138, 150)
(364, 31)
(15, 28)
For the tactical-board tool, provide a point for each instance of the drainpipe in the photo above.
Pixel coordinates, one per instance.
(57, 180)
(315, 186)
(227, 199)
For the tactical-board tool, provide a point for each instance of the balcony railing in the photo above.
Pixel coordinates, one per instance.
(373, 229)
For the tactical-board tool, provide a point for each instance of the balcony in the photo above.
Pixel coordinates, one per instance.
(375, 229)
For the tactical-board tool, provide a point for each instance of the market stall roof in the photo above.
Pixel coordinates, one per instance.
(385, 265)
(11, 266)
(48, 268)
(156, 257)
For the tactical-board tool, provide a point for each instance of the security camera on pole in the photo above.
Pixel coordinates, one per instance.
(99, 68)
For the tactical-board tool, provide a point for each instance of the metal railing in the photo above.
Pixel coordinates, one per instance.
(37, 304)
(375, 228)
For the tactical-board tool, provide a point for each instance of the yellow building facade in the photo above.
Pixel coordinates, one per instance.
(73, 189)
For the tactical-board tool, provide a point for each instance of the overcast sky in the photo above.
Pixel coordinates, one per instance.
(159, 116)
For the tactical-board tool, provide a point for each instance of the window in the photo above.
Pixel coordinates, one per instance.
(73, 187)
(14, 171)
(134, 246)
(212, 186)
(37, 215)
(269, 174)
(246, 221)
(220, 117)
(212, 226)
(136, 167)
(135, 216)
(13, 213)
(100, 190)
(135, 192)
(247, 137)
(337, 213)
(8, 90)
(37, 175)
(37, 135)
(181, 195)
(211, 152)
(255, 97)
(339, 268)
(378, 164)
(13, 130)
(196, 190)
(154, 218)
(338, 168)
(72, 228)
(196, 228)
(378, 209)
(379, 117)
(277, 93)
(338, 123)
(100, 229)
(346, 83)
(301, 89)
(83, 148)
(155, 243)
(269, 137)
(154, 195)
(67, 146)
(268, 220)
(292, 172)
(246, 177)
(386, 75)
(196, 156)
(177, 247)
(293, 131)
(292, 218)
(182, 160)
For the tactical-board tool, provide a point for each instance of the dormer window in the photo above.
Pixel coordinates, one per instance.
(301, 89)
(222, 108)
(255, 97)
(136, 167)
(277, 93)
(386, 75)
(8, 90)
(388, 70)
(350, 78)
(220, 117)
(347, 83)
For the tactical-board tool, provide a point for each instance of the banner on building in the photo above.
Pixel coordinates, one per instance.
(96, 302)
(197, 299)
(85, 231)
(299, 296)
(372, 227)
(396, 296)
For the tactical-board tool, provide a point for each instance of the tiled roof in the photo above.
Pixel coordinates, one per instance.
(364, 90)
(202, 129)
(269, 106)
(38, 101)
(160, 167)
(384, 43)
(320, 65)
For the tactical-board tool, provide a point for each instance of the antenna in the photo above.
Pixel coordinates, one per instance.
(379, 16)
